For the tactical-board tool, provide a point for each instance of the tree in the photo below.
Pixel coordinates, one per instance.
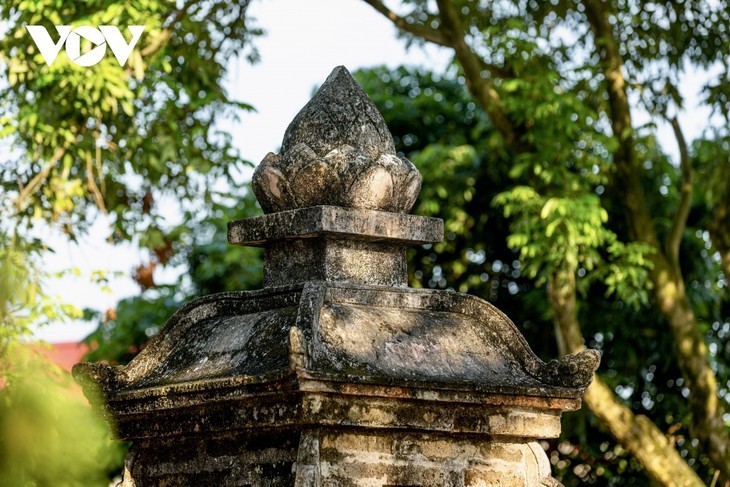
(562, 105)
(113, 140)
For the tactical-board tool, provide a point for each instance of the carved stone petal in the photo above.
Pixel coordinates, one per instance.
(270, 186)
(353, 164)
(406, 178)
(410, 191)
(341, 157)
(295, 159)
(317, 184)
(373, 190)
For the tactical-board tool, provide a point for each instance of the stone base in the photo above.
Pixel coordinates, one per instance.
(265, 459)
(337, 458)
(336, 384)
(384, 459)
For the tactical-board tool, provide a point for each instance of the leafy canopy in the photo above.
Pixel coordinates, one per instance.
(110, 140)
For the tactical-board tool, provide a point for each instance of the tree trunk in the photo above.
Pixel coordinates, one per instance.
(639, 435)
(720, 229)
(707, 409)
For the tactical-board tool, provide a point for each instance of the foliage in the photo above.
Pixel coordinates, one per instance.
(117, 139)
(48, 434)
(23, 301)
(90, 133)
(132, 142)
(569, 233)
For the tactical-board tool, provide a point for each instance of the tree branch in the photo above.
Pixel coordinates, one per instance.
(98, 198)
(451, 34)
(674, 238)
(640, 436)
(424, 32)
(474, 66)
(38, 179)
(497, 71)
(634, 203)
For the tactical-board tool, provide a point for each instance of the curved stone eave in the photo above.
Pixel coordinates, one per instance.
(568, 377)
(100, 377)
(573, 371)
(571, 374)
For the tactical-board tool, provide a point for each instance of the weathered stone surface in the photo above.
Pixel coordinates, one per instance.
(264, 458)
(337, 373)
(423, 459)
(368, 334)
(356, 224)
(328, 243)
(337, 151)
(336, 457)
(335, 259)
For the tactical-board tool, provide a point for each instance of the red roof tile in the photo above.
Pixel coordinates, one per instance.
(65, 355)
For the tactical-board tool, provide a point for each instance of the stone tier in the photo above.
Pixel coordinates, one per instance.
(365, 368)
(329, 243)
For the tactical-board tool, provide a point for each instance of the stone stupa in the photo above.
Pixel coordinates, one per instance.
(337, 373)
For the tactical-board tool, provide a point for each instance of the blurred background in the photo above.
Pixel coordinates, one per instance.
(578, 151)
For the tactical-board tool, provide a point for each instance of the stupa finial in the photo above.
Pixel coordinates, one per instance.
(337, 151)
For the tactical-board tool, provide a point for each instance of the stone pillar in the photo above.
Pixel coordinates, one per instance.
(337, 373)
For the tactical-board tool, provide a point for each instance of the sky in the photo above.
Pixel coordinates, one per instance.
(304, 41)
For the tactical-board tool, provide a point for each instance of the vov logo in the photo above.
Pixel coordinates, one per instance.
(101, 37)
